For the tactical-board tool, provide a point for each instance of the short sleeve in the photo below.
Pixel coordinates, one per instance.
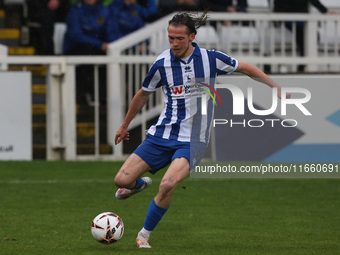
(153, 79)
(224, 63)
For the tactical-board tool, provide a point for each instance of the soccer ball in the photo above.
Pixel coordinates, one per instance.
(107, 228)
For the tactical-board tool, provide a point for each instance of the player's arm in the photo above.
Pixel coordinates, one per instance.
(137, 103)
(256, 74)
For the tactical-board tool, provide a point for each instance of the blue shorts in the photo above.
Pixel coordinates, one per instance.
(159, 152)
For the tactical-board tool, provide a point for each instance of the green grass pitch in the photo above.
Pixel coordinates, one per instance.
(48, 207)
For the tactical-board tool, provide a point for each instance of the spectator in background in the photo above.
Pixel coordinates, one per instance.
(237, 6)
(148, 10)
(125, 18)
(168, 6)
(104, 2)
(45, 13)
(88, 33)
(299, 6)
(225, 5)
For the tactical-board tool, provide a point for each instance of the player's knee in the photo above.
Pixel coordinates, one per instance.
(167, 185)
(121, 181)
(118, 181)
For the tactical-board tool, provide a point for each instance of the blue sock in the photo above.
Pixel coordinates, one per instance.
(154, 215)
(139, 183)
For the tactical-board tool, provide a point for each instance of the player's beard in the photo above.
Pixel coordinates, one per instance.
(185, 52)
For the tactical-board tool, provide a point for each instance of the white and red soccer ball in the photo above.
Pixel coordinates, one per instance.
(107, 228)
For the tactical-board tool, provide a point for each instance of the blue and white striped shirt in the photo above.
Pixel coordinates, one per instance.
(180, 119)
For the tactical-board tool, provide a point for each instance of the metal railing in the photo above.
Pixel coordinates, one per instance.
(253, 38)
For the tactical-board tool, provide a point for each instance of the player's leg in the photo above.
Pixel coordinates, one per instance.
(177, 171)
(128, 177)
(149, 156)
(130, 171)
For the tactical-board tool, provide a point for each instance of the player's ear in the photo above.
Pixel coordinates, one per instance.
(192, 37)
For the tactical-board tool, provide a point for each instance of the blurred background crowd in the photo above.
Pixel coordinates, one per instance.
(92, 24)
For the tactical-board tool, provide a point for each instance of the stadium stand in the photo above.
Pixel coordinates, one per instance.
(208, 37)
(12, 37)
(258, 6)
(247, 37)
(58, 37)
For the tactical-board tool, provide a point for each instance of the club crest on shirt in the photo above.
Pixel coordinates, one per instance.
(187, 69)
(100, 20)
(134, 13)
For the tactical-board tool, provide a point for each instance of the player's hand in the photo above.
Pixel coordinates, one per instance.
(187, 2)
(231, 9)
(122, 134)
(333, 12)
(105, 46)
(53, 5)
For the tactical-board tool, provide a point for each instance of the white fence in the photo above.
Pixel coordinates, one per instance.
(254, 38)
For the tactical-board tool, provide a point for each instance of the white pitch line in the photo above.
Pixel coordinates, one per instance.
(53, 181)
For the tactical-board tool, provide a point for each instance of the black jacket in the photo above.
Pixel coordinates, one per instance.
(221, 5)
(297, 6)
